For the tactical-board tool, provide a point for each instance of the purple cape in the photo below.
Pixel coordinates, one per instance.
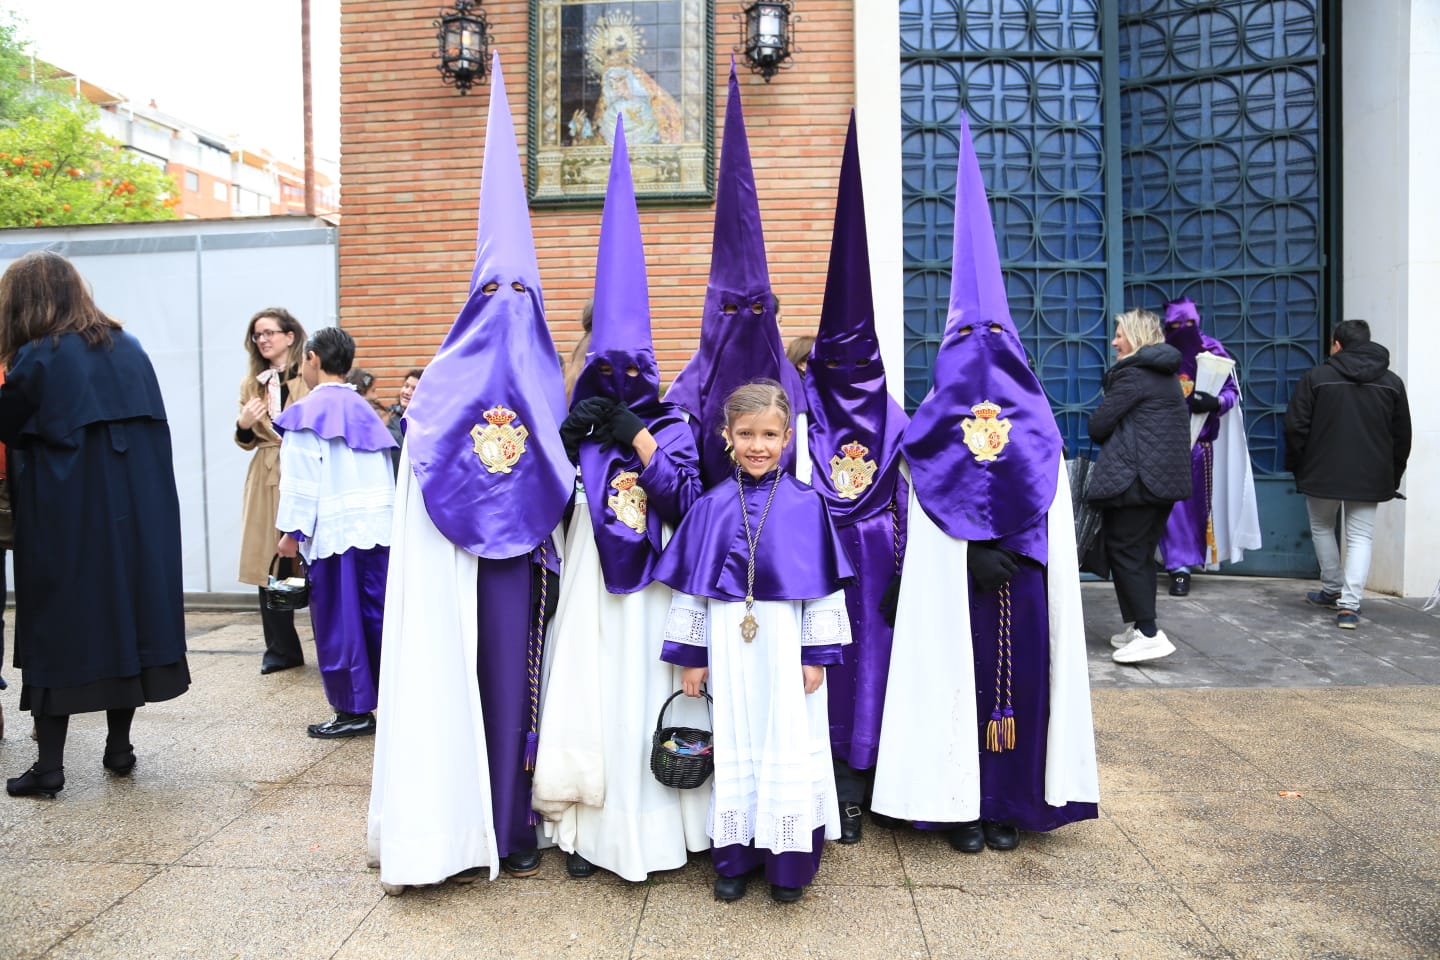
(855, 425)
(337, 411)
(799, 557)
(1005, 480)
(483, 430)
(739, 337)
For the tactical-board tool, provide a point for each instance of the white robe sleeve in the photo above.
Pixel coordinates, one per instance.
(301, 462)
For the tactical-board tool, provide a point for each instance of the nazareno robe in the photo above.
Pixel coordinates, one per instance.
(337, 494)
(99, 599)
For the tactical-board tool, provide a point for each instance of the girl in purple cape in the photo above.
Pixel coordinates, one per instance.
(759, 612)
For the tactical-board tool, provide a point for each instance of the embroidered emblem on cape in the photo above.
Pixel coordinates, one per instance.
(851, 474)
(986, 435)
(1187, 386)
(499, 446)
(629, 502)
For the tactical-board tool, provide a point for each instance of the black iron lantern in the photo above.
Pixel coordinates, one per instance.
(769, 34)
(464, 43)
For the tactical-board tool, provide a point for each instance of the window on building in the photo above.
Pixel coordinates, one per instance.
(222, 190)
(192, 181)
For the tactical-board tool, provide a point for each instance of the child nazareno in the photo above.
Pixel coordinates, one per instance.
(337, 493)
(759, 611)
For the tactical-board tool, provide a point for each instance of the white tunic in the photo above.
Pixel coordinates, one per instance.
(430, 810)
(929, 761)
(603, 689)
(774, 782)
(340, 498)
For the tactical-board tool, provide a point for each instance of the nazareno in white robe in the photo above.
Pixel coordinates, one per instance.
(603, 689)
(929, 760)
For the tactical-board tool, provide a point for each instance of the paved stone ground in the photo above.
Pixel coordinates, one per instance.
(1269, 791)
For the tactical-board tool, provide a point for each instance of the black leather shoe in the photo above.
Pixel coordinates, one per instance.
(119, 762)
(343, 725)
(968, 837)
(731, 888)
(521, 863)
(1179, 584)
(785, 894)
(275, 666)
(33, 783)
(1001, 836)
(578, 867)
(851, 826)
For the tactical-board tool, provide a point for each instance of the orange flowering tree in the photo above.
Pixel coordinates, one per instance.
(56, 167)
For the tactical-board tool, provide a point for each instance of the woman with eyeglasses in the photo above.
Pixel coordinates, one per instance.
(275, 341)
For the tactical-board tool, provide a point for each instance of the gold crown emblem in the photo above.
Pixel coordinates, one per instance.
(855, 450)
(986, 410)
(499, 416)
(624, 482)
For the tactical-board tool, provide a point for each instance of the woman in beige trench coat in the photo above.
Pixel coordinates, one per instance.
(275, 342)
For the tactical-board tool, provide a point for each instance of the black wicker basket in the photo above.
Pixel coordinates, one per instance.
(284, 595)
(671, 766)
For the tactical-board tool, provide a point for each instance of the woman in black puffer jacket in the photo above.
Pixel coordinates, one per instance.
(1143, 469)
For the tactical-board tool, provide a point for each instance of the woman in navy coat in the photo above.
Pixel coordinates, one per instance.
(99, 615)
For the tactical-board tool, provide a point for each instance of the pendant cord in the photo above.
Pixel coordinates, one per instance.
(753, 542)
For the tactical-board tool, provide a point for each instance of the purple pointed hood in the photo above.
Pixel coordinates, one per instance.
(983, 446)
(1182, 331)
(620, 331)
(739, 336)
(483, 430)
(855, 425)
(620, 337)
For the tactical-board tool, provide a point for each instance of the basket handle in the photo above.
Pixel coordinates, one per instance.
(709, 708)
(302, 568)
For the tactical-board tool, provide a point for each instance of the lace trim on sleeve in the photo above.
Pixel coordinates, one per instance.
(685, 625)
(824, 626)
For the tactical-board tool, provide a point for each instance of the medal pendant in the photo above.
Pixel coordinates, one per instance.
(748, 628)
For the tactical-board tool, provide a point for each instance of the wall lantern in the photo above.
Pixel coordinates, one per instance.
(461, 33)
(768, 36)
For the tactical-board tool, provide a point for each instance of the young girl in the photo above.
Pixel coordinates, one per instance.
(759, 611)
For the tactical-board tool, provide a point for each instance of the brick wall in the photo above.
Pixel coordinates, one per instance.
(412, 151)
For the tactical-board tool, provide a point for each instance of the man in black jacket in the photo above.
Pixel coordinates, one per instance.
(1347, 438)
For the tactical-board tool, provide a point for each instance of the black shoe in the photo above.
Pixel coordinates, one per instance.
(467, 876)
(968, 837)
(268, 666)
(785, 894)
(578, 867)
(731, 888)
(521, 863)
(119, 762)
(1180, 584)
(1000, 836)
(851, 826)
(343, 725)
(33, 783)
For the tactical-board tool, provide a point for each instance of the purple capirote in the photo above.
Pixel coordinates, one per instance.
(982, 359)
(739, 331)
(794, 869)
(497, 368)
(347, 608)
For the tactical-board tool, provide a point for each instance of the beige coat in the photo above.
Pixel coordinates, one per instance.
(261, 502)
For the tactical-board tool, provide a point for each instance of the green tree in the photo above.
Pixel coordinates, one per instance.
(56, 167)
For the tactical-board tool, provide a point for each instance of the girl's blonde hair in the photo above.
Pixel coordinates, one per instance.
(757, 396)
(1142, 328)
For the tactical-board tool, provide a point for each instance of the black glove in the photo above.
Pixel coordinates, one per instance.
(990, 567)
(625, 426)
(890, 600)
(1202, 402)
(584, 417)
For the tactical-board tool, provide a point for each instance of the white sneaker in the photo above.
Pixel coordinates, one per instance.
(1123, 637)
(1144, 648)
